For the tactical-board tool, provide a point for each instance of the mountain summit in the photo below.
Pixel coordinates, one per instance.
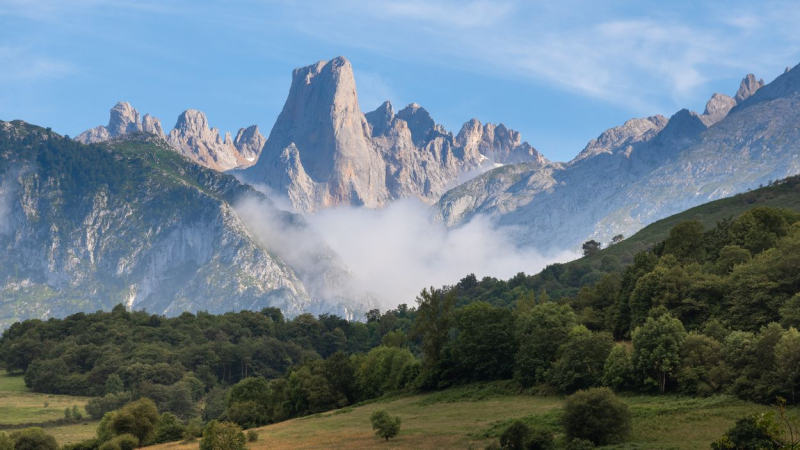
(324, 151)
(644, 170)
(191, 137)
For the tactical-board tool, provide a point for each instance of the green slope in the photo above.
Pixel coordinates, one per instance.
(784, 194)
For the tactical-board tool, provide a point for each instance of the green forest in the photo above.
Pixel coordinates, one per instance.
(707, 310)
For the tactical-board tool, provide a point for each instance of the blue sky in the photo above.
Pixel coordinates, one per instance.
(559, 72)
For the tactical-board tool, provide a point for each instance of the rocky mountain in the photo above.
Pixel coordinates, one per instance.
(324, 151)
(191, 136)
(84, 227)
(642, 171)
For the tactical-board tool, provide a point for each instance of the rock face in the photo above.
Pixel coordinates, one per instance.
(717, 108)
(191, 136)
(249, 142)
(497, 143)
(148, 230)
(643, 171)
(123, 119)
(323, 151)
(748, 87)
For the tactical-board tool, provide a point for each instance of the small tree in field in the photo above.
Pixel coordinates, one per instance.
(385, 426)
(596, 415)
(222, 436)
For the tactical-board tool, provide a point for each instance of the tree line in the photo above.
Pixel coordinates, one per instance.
(703, 312)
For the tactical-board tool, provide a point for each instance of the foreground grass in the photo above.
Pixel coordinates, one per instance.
(20, 408)
(452, 420)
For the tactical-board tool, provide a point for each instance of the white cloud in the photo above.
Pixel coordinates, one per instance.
(649, 61)
(396, 251)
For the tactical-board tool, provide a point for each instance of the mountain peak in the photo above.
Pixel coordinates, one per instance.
(381, 119)
(123, 119)
(748, 87)
(420, 123)
(193, 120)
(717, 108)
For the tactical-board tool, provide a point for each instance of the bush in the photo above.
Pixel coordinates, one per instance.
(515, 436)
(121, 442)
(596, 415)
(252, 436)
(99, 406)
(194, 429)
(33, 439)
(170, 429)
(138, 418)
(77, 415)
(540, 440)
(760, 431)
(385, 426)
(5, 442)
(222, 436)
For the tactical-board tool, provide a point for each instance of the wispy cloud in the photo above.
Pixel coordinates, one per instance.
(21, 64)
(592, 49)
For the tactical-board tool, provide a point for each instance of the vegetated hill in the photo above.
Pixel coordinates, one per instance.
(564, 280)
(781, 194)
(85, 227)
(466, 417)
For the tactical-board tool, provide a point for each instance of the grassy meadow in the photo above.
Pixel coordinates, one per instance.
(20, 408)
(458, 419)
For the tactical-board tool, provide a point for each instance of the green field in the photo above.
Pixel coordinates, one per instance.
(20, 408)
(449, 420)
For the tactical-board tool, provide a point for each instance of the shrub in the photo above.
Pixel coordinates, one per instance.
(385, 426)
(540, 440)
(33, 439)
(5, 442)
(121, 442)
(596, 415)
(222, 436)
(252, 436)
(194, 429)
(515, 436)
(759, 431)
(170, 429)
(138, 418)
(77, 415)
(99, 406)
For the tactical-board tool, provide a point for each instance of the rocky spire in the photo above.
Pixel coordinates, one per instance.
(322, 118)
(152, 125)
(420, 123)
(499, 144)
(381, 119)
(748, 87)
(194, 139)
(717, 108)
(621, 138)
(124, 119)
(249, 142)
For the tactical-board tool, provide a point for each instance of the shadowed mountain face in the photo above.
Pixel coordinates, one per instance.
(645, 170)
(192, 137)
(131, 221)
(323, 151)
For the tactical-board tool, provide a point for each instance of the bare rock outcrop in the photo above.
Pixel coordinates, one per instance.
(191, 137)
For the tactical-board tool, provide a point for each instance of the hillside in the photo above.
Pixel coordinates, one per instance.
(86, 227)
(642, 171)
(453, 420)
(784, 194)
